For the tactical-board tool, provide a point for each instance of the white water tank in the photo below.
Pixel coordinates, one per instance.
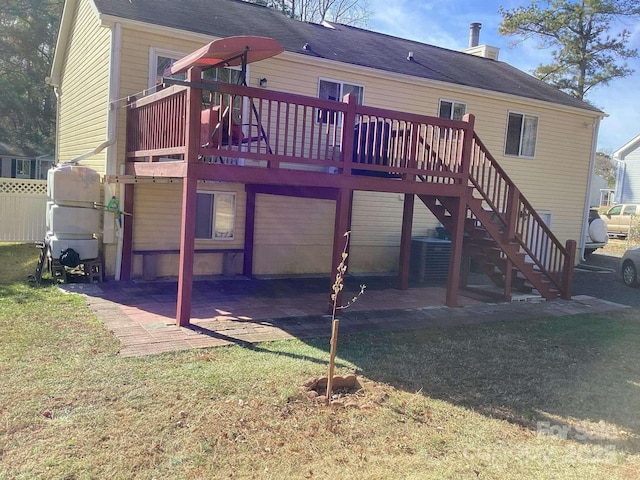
(74, 184)
(87, 248)
(66, 221)
(72, 218)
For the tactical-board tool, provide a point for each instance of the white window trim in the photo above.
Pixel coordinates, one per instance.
(213, 215)
(341, 99)
(506, 132)
(341, 83)
(453, 103)
(154, 53)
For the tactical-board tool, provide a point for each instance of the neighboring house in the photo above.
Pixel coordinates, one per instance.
(628, 172)
(110, 50)
(23, 163)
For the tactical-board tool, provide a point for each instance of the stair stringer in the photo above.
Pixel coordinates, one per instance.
(484, 234)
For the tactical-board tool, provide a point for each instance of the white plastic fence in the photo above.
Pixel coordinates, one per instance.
(23, 204)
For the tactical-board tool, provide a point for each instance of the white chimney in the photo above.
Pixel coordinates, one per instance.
(486, 51)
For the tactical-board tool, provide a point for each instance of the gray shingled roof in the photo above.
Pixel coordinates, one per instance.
(222, 18)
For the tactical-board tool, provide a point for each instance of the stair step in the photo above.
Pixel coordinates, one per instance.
(483, 242)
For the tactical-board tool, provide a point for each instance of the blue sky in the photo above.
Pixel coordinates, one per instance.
(446, 24)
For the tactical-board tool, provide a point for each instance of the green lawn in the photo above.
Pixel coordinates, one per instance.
(546, 399)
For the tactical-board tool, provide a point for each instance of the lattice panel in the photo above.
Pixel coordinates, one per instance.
(23, 187)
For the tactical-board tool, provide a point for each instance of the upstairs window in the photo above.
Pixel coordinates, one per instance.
(336, 91)
(451, 109)
(159, 63)
(162, 60)
(215, 215)
(522, 131)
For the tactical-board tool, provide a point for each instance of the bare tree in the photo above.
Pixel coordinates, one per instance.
(348, 12)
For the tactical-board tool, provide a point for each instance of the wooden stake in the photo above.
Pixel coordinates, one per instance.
(332, 357)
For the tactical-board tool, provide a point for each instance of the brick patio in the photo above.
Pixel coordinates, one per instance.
(142, 314)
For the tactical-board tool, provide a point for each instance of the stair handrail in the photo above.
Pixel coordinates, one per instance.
(513, 218)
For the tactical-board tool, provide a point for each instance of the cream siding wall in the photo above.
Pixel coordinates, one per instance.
(294, 235)
(84, 86)
(376, 227)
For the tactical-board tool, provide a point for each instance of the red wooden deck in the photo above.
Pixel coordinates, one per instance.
(295, 145)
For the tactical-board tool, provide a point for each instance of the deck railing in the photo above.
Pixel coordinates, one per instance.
(261, 128)
(156, 124)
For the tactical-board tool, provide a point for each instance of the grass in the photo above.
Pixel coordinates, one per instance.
(551, 398)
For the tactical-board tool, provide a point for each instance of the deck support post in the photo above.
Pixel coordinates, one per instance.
(187, 246)
(405, 241)
(455, 260)
(508, 280)
(249, 232)
(341, 226)
(189, 198)
(568, 269)
(126, 262)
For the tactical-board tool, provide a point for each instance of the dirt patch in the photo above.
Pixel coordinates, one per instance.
(348, 392)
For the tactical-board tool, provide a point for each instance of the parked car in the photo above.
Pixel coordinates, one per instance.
(597, 234)
(618, 218)
(631, 266)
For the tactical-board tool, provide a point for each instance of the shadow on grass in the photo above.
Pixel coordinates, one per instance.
(574, 377)
(255, 347)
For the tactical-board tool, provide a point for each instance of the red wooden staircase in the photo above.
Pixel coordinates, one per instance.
(503, 234)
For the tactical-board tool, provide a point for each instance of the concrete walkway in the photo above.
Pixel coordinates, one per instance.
(142, 315)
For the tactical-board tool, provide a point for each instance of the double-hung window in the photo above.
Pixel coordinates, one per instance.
(335, 91)
(451, 109)
(522, 131)
(215, 215)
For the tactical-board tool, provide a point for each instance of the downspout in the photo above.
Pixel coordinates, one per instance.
(55, 84)
(112, 152)
(585, 219)
(56, 147)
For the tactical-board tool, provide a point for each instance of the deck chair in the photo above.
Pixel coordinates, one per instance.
(214, 128)
(215, 131)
